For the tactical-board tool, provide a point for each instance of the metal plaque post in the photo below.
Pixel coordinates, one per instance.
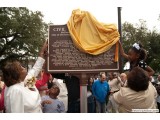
(83, 93)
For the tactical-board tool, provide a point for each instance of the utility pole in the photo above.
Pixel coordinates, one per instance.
(120, 32)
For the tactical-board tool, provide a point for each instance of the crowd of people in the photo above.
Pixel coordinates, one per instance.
(36, 91)
(132, 91)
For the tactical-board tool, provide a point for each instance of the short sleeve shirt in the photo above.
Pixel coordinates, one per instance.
(142, 64)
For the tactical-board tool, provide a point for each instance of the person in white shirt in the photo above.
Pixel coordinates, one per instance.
(21, 95)
(123, 78)
(115, 85)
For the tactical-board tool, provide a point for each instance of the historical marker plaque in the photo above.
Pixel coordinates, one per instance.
(65, 57)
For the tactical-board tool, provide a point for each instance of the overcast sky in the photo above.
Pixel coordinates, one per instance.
(59, 11)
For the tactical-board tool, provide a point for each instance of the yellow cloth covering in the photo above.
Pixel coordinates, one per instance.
(90, 36)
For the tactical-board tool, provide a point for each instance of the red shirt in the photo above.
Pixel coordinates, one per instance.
(2, 99)
(43, 81)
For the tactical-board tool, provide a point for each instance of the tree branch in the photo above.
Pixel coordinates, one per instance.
(13, 56)
(6, 36)
(8, 43)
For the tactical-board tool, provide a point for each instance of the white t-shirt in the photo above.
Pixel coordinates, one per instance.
(114, 84)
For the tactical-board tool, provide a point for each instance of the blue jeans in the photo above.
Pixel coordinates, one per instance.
(100, 107)
(91, 104)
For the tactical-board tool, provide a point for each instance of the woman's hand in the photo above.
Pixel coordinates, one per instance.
(46, 102)
(122, 51)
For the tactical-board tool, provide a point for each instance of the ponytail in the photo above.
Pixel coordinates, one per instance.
(142, 54)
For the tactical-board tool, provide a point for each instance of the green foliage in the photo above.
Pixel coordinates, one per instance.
(22, 32)
(150, 41)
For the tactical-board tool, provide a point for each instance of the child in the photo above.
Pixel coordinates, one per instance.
(136, 56)
(50, 102)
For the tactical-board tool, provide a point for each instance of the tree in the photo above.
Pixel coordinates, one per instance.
(150, 40)
(154, 51)
(22, 32)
